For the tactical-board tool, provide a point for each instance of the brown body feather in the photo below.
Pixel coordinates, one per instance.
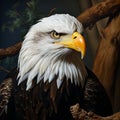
(5, 93)
(45, 101)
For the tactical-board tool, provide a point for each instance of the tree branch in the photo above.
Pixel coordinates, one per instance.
(10, 50)
(81, 114)
(3, 69)
(99, 11)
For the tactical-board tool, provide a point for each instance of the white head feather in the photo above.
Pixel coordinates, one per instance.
(40, 58)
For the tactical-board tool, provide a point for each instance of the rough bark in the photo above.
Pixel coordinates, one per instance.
(99, 11)
(81, 114)
(106, 60)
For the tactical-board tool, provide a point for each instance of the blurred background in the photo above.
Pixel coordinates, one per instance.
(16, 17)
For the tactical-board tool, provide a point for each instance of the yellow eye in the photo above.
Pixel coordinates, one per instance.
(55, 35)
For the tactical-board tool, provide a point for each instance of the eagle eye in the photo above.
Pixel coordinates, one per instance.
(55, 35)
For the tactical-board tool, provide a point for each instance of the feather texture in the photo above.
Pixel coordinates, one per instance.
(51, 77)
(40, 57)
(5, 94)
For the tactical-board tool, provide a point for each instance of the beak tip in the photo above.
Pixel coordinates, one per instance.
(82, 57)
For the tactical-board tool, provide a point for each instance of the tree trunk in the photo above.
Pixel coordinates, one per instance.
(108, 53)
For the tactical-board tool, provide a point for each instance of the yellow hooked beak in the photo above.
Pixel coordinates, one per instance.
(75, 41)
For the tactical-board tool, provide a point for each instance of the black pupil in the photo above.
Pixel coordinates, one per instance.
(56, 33)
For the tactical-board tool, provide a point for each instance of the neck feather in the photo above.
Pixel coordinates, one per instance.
(46, 66)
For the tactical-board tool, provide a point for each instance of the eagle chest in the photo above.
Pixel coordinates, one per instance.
(46, 100)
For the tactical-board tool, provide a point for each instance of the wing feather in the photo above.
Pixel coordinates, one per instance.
(5, 94)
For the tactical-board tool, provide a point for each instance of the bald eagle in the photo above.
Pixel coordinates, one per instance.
(51, 74)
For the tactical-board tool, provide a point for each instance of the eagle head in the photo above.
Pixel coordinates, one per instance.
(51, 49)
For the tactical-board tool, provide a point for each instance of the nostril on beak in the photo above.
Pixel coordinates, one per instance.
(75, 37)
